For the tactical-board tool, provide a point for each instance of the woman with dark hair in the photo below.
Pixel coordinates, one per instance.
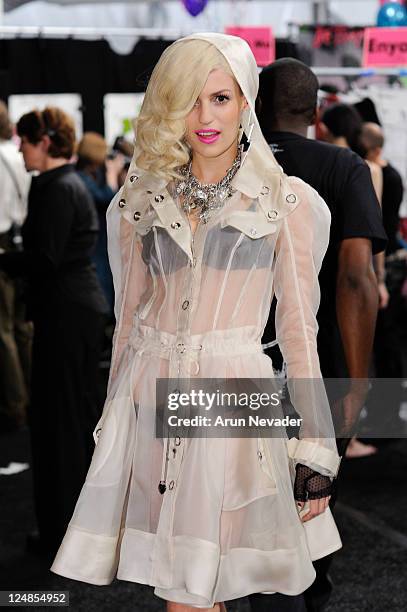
(343, 126)
(67, 308)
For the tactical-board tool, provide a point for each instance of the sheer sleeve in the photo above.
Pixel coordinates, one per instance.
(129, 276)
(300, 248)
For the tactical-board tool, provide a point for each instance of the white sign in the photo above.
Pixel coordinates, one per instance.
(120, 110)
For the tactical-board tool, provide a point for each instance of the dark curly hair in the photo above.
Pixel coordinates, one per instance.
(53, 122)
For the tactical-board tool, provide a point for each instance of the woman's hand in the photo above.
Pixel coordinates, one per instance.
(316, 506)
(313, 488)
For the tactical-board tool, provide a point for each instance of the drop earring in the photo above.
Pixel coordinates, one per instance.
(246, 137)
(240, 134)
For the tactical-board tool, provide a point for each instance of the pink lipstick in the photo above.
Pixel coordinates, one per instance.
(207, 136)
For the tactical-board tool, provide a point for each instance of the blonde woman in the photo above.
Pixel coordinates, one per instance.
(205, 228)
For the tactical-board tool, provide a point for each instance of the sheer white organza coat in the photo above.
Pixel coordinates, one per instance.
(196, 306)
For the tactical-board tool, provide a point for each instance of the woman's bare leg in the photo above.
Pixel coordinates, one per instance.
(176, 607)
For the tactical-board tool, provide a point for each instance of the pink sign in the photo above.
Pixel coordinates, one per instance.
(385, 47)
(261, 41)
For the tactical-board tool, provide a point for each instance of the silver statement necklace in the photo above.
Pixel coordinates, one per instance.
(207, 197)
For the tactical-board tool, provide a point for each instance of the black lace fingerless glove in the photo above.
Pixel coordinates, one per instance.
(309, 484)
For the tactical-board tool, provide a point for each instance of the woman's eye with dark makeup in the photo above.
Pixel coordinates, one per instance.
(221, 98)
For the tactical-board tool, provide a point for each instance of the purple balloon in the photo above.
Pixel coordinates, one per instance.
(194, 7)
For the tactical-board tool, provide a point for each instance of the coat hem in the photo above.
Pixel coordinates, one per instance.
(188, 570)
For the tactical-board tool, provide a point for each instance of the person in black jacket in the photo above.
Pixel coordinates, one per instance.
(67, 307)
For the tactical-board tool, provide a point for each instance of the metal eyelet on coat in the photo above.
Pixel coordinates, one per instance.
(177, 440)
(272, 214)
(122, 203)
(175, 225)
(291, 198)
(259, 454)
(97, 432)
(136, 215)
(159, 198)
(133, 178)
(265, 190)
(171, 485)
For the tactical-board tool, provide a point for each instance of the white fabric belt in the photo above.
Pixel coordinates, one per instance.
(163, 344)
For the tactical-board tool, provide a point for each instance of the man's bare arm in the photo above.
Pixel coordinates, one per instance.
(356, 307)
(356, 303)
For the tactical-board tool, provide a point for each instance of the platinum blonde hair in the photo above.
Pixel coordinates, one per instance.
(175, 84)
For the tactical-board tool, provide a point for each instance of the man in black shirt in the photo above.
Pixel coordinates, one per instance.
(349, 297)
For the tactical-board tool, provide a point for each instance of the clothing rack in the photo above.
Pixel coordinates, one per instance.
(359, 71)
(97, 33)
(165, 34)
